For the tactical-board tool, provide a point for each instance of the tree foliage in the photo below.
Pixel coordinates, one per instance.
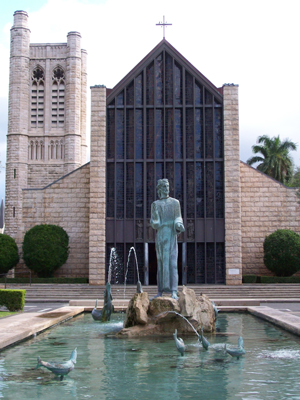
(282, 252)
(9, 256)
(275, 159)
(45, 249)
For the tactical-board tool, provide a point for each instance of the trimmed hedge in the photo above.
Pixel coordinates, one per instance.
(270, 279)
(45, 249)
(280, 279)
(249, 278)
(12, 299)
(9, 256)
(282, 252)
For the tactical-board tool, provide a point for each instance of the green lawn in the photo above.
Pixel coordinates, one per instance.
(6, 313)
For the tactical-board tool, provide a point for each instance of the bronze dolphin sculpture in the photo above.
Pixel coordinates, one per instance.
(179, 343)
(237, 351)
(104, 314)
(203, 340)
(59, 368)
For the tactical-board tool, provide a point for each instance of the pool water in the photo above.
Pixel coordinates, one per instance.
(152, 368)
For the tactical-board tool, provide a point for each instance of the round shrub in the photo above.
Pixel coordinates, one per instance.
(45, 249)
(282, 252)
(9, 256)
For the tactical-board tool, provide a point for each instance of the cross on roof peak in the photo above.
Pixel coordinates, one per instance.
(163, 25)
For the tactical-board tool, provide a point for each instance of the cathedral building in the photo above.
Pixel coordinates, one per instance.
(164, 119)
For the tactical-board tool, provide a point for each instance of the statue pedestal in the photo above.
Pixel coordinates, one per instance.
(160, 315)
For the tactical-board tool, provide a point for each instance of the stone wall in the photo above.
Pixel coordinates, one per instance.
(266, 206)
(97, 234)
(64, 203)
(233, 250)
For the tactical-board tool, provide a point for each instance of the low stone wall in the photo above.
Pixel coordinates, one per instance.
(266, 205)
(64, 203)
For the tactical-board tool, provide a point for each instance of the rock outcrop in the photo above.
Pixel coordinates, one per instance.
(162, 315)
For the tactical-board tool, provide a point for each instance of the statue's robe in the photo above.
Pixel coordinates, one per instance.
(165, 213)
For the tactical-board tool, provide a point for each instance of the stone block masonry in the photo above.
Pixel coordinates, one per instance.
(233, 249)
(64, 203)
(266, 205)
(97, 234)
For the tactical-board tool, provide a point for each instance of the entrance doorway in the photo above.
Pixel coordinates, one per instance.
(153, 264)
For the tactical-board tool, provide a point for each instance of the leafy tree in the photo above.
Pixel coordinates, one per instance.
(295, 180)
(282, 252)
(45, 249)
(9, 256)
(275, 159)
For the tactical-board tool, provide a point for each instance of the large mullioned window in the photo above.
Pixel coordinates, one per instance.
(37, 98)
(166, 122)
(58, 98)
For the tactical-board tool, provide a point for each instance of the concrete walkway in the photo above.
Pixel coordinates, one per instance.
(22, 326)
(25, 325)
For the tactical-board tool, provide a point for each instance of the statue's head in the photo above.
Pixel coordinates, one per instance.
(162, 188)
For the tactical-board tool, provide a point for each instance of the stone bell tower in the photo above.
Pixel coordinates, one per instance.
(47, 115)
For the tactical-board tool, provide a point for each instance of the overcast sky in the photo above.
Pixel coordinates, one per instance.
(254, 44)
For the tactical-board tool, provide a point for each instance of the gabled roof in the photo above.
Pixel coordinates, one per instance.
(163, 45)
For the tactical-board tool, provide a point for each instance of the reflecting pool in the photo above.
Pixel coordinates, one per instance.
(152, 368)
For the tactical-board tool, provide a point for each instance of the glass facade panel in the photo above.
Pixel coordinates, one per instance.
(199, 132)
(219, 180)
(199, 190)
(169, 79)
(150, 84)
(169, 133)
(120, 190)
(110, 144)
(159, 75)
(189, 94)
(139, 195)
(129, 190)
(167, 122)
(190, 190)
(120, 134)
(150, 133)
(130, 133)
(110, 190)
(179, 183)
(178, 134)
(139, 90)
(159, 139)
(209, 138)
(198, 94)
(189, 131)
(178, 84)
(209, 190)
(151, 187)
(139, 123)
(218, 133)
(130, 94)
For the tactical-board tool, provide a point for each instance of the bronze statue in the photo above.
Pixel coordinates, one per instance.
(166, 219)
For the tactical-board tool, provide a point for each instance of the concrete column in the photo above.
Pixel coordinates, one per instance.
(233, 235)
(97, 234)
(73, 103)
(83, 105)
(18, 121)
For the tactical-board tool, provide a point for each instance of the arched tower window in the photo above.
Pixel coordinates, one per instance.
(56, 150)
(36, 150)
(58, 97)
(37, 98)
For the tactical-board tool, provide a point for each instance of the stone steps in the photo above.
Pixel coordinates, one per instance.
(66, 292)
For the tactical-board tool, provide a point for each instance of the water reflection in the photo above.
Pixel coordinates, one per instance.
(111, 368)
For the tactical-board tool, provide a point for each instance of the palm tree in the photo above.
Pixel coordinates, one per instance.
(275, 160)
